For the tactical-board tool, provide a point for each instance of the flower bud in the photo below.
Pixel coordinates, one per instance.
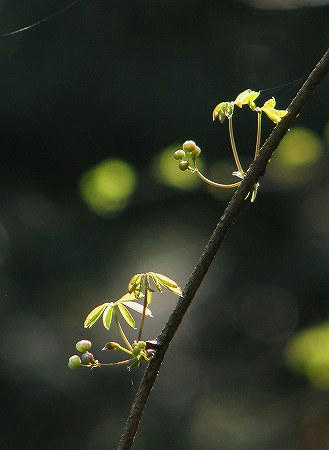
(110, 346)
(183, 165)
(196, 152)
(83, 346)
(136, 350)
(179, 154)
(189, 146)
(74, 362)
(141, 345)
(87, 358)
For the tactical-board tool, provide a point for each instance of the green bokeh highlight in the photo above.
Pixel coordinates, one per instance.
(107, 187)
(308, 353)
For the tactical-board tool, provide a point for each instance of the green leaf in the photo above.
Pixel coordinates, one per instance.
(94, 315)
(126, 315)
(135, 284)
(128, 297)
(155, 281)
(138, 308)
(132, 282)
(107, 316)
(149, 296)
(169, 284)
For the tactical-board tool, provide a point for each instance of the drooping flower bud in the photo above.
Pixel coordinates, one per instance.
(183, 165)
(179, 154)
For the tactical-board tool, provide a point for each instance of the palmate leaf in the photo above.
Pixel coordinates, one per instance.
(107, 316)
(128, 297)
(155, 281)
(138, 308)
(94, 315)
(126, 315)
(169, 284)
(135, 284)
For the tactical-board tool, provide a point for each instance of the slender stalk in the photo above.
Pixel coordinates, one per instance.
(143, 314)
(234, 150)
(123, 336)
(123, 349)
(259, 133)
(212, 183)
(119, 363)
(254, 173)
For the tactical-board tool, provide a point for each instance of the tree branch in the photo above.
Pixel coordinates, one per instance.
(254, 173)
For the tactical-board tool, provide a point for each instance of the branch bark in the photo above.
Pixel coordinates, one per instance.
(254, 173)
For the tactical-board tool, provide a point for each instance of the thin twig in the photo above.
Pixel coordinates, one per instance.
(254, 173)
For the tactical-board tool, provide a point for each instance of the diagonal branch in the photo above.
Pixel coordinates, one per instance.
(254, 173)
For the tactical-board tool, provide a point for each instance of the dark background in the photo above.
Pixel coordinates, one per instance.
(126, 80)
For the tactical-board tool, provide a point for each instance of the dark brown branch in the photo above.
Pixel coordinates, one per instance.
(255, 172)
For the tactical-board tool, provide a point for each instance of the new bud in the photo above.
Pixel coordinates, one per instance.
(83, 346)
(179, 154)
(196, 152)
(111, 346)
(189, 146)
(74, 362)
(87, 358)
(183, 165)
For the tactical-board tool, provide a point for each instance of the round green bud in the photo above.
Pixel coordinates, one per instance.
(136, 350)
(74, 362)
(179, 154)
(87, 358)
(189, 146)
(196, 152)
(183, 165)
(83, 346)
(141, 345)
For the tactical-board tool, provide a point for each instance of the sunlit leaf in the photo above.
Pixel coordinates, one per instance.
(156, 281)
(107, 316)
(169, 284)
(132, 282)
(247, 97)
(138, 308)
(126, 315)
(94, 315)
(127, 297)
(274, 114)
(135, 285)
(149, 296)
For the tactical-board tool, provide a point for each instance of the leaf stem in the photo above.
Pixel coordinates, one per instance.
(212, 183)
(123, 336)
(234, 150)
(119, 363)
(143, 314)
(259, 133)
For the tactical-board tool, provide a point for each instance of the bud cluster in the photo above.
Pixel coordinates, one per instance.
(86, 359)
(189, 149)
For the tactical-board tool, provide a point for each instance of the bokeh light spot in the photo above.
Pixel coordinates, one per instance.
(308, 353)
(107, 187)
(295, 160)
(299, 148)
(166, 171)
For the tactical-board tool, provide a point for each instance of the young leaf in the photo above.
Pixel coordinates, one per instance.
(169, 284)
(128, 297)
(107, 316)
(155, 281)
(149, 296)
(135, 284)
(126, 315)
(94, 315)
(132, 282)
(138, 308)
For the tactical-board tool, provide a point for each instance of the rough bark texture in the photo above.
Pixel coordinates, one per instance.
(254, 173)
